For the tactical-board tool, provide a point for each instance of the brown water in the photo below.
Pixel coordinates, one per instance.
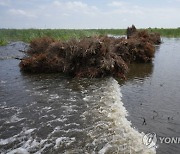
(56, 114)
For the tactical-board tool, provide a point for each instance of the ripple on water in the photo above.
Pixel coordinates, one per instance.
(90, 119)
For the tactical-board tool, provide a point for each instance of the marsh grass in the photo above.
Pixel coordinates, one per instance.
(3, 42)
(171, 32)
(26, 35)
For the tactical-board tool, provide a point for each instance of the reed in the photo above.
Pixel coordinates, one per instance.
(27, 35)
(171, 32)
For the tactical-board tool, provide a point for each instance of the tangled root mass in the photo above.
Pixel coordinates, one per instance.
(90, 57)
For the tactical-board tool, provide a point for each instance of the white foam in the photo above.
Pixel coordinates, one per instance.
(123, 132)
(16, 137)
(29, 131)
(27, 142)
(64, 140)
(38, 93)
(69, 108)
(72, 124)
(72, 99)
(47, 108)
(6, 141)
(14, 119)
(54, 96)
(59, 141)
(110, 130)
(19, 151)
(57, 120)
(105, 148)
(87, 98)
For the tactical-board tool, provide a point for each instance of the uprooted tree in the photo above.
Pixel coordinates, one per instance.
(97, 56)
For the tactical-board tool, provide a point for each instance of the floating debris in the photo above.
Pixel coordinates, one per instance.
(91, 56)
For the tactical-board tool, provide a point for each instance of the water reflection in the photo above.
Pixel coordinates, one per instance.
(151, 92)
(140, 71)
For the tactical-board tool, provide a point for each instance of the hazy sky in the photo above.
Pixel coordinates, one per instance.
(89, 13)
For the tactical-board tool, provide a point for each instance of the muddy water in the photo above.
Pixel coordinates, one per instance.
(56, 114)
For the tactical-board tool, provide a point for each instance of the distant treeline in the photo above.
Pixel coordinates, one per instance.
(27, 35)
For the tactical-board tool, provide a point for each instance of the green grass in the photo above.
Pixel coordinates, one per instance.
(3, 42)
(175, 33)
(27, 35)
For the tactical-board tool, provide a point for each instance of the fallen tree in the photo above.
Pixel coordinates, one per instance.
(92, 56)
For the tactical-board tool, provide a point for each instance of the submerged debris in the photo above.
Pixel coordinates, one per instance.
(92, 56)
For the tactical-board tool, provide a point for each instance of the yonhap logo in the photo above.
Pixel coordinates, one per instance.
(150, 140)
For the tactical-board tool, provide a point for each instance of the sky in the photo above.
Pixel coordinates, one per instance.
(85, 14)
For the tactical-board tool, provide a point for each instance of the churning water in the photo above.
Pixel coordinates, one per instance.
(56, 114)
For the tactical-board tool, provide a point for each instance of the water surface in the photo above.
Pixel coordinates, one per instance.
(152, 92)
(56, 114)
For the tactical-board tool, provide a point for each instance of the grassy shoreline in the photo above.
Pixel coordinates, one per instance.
(27, 35)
